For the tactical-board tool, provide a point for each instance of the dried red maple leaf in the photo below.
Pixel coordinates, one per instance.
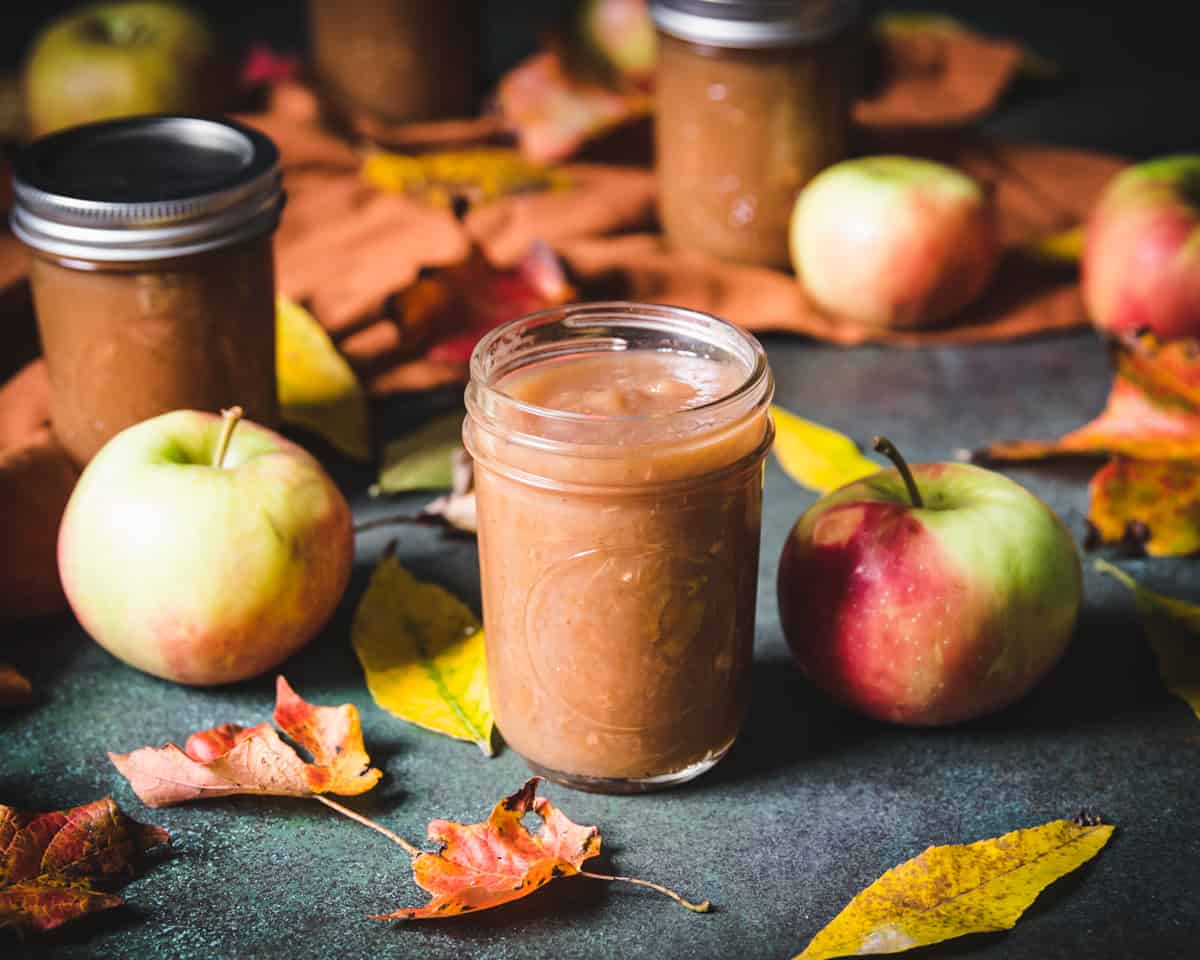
(455, 306)
(229, 759)
(1152, 504)
(483, 865)
(49, 862)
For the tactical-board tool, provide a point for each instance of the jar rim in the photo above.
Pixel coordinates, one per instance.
(753, 24)
(629, 314)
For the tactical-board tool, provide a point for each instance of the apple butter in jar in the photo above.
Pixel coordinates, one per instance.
(618, 473)
(152, 270)
(753, 100)
(385, 62)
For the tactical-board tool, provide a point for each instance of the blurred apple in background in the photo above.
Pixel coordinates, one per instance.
(893, 241)
(1141, 254)
(621, 34)
(118, 59)
(928, 597)
(202, 550)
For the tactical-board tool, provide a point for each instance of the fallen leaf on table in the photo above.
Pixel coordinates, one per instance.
(1173, 628)
(484, 865)
(50, 863)
(229, 759)
(422, 459)
(477, 175)
(422, 651)
(1152, 413)
(15, 688)
(317, 388)
(457, 508)
(1065, 246)
(1152, 504)
(554, 112)
(815, 456)
(949, 891)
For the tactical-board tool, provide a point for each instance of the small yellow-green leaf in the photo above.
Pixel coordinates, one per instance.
(423, 459)
(949, 891)
(815, 456)
(423, 653)
(317, 388)
(1066, 246)
(1173, 628)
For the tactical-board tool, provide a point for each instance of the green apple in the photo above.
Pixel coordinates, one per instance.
(928, 596)
(204, 550)
(119, 59)
(621, 35)
(892, 241)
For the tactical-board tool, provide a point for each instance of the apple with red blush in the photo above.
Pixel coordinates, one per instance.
(892, 241)
(928, 595)
(1140, 269)
(202, 549)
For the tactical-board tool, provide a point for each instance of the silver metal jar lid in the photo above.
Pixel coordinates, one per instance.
(753, 24)
(145, 188)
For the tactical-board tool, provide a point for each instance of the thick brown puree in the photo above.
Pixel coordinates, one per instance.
(124, 342)
(619, 579)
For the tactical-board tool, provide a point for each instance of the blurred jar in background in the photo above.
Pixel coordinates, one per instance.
(384, 62)
(753, 100)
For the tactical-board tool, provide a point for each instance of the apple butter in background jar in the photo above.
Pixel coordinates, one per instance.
(384, 62)
(152, 270)
(618, 473)
(753, 100)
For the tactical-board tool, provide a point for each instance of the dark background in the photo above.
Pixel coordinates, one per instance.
(1129, 73)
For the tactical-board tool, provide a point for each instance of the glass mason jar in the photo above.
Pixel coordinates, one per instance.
(618, 473)
(753, 100)
(152, 270)
(383, 62)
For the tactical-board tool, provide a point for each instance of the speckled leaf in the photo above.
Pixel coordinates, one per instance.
(1173, 628)
(15, 688)
(477, 174)
(953, 890)
(483, 865)
(1152, 503)
(50, 861)
(422, 459)
(422, 650)
(317, 388)
(229, 759)
(815, 456)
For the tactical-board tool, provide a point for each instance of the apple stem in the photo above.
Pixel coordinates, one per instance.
(888, 449)
(702, 907)
(230, 419)
(368, 822)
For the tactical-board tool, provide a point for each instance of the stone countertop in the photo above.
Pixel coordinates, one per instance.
(813, 803)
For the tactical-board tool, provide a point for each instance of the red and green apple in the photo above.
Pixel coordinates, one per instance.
(204, 550)
(928, 596)
(893, 241)
(1141, 256)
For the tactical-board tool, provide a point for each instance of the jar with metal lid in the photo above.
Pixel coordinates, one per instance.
(385, 62)
(753, 100)
(152, 270)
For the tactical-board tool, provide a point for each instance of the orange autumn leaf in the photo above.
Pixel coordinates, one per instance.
(1151, 504)
(15, 688)
(229, 759)
(1152, 413)
(483, 865)
(50, 863)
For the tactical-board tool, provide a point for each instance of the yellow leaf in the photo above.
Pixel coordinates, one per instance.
(423, 653)
(1173, 628)
(949, 891)
(317, 388)
(1066, 246)
(479, 173)
(815, 456)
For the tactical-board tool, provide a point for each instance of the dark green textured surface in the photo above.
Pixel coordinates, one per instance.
(813, 803)
(811, 806)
